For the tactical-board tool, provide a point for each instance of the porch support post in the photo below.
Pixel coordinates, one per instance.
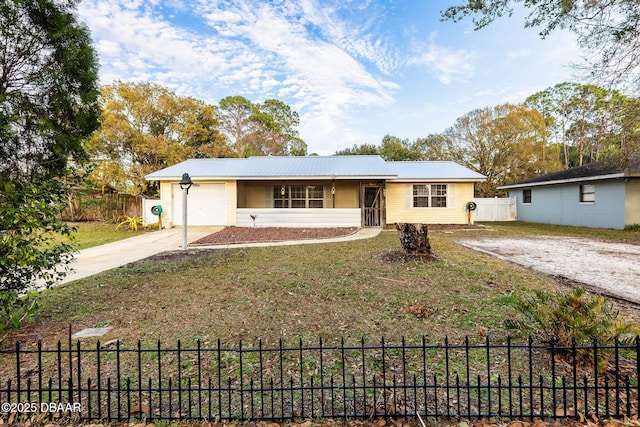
(362, 207)
(383, 203)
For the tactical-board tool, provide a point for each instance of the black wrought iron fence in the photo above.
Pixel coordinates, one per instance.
(112, 381)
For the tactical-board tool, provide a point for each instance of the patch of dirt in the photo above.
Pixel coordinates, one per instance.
(398, 256)
(606, 267)
(234, 235)
(178, 255)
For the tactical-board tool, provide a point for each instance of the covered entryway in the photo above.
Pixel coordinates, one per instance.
(372, 203)
(207, 204)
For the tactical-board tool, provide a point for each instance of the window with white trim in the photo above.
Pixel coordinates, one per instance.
(429, 195)
(298, 196)
(587, 193)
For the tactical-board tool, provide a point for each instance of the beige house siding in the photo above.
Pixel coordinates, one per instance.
(165, 202)
(232, 201)
(632, 202)
(258, 195)
(347, 194)
(255, 195)
(400, 205)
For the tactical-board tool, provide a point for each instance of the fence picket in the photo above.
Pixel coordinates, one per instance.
(484, 379)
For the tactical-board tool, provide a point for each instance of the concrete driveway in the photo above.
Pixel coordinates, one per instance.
(94, 260)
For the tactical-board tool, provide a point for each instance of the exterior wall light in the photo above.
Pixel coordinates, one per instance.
(185, 182)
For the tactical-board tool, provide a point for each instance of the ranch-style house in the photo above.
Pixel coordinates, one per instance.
(317, 191)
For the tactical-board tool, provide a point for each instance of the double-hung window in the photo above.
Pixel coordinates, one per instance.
(429, 195)
(587, 193)
(298, 196)
(526, 196)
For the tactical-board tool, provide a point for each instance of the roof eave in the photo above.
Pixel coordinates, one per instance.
(403, 180)
(564, 181)
(272, 178)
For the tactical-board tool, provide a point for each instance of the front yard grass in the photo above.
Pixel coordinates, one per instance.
(90, 234)
(298, 294)
(327, 290)
(516, 228)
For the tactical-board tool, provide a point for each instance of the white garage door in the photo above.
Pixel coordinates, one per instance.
(206, 205)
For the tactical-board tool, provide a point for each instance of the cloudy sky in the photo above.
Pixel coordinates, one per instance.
(355, 70)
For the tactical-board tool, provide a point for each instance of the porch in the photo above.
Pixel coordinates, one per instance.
(310, 217)
(318, 203)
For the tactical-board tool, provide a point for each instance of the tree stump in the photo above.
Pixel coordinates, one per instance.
(413, 238)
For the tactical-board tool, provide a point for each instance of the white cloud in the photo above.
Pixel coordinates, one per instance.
(256, 49)
(136, 44)
(320, 79)
(447, 65)
(353, 69)
(519, 54)
(358, 40)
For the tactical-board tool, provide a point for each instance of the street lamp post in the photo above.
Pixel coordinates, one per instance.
(185, 185)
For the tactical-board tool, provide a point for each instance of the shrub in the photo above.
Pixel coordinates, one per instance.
(14, 309)
(577, 316)
(632, 227)
(131, 222)
(31, 250)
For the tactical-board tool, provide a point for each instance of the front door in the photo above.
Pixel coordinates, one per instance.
(372, 205)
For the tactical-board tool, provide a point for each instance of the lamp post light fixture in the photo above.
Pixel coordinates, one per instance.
(185, 185)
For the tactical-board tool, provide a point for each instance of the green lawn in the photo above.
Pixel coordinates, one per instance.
(353, 290)
(91, 234)
(530, 228)
(327, 290)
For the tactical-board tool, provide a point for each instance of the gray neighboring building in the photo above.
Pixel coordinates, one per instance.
(604, 194)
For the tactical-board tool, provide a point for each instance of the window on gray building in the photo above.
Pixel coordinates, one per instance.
(587, 193)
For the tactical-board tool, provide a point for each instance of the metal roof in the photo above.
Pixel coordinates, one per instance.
(434, 170)
(372, 167)
(315, 167)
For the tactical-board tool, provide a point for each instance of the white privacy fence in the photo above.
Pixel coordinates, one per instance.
(148, 217)
(495, 209)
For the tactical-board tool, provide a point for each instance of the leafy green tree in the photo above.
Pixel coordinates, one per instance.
(48, 94)
(32, 254)
(589, 122)
(234, 113)
(554, 105)
(391, 148)
(609, 30)
(432, 147)
(274, 130)
(256, 129)
(506, 143)
(396, 149)
(48, 88)
(359, 150)
(146, 127)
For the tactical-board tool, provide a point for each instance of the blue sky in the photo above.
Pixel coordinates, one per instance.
(355, 70)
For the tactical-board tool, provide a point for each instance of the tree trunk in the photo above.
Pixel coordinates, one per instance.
(413, 238)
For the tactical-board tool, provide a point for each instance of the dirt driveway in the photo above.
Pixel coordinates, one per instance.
(610, 268)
